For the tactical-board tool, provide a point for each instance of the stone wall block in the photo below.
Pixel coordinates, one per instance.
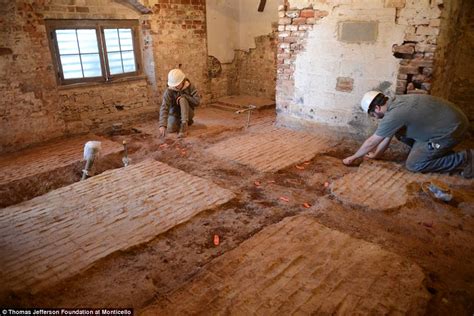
(404, 49)
(292, 28)
(298, 21)
(408, 70)
(284, 21)
(427, 30)
(307, 13)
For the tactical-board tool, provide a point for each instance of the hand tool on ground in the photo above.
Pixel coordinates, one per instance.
(249, 112)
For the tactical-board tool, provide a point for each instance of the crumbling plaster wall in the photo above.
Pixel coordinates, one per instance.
(178, 32)
(222, 28)
(322, 77)
(256, 69)
(253, 23)
(243, 41)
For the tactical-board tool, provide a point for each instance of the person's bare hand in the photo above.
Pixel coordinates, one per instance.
(162, 131)
(349, 160)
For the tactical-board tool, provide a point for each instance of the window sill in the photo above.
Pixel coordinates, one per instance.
(101, 83)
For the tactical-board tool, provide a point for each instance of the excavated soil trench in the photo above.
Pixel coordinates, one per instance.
(434, 235)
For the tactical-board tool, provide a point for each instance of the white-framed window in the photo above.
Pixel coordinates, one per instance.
(94, 50)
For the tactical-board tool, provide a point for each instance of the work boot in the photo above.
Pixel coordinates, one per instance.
(183, 130)
(468, 171)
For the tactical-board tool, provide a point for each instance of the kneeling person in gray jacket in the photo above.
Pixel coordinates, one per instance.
(177, 107)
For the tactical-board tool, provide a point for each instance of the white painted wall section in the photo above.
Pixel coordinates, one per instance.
(325, 58)
(234, 24)
(222, 20)
(253, 23)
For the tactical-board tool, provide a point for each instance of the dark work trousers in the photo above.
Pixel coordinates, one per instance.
(186, 115)
(432, 156)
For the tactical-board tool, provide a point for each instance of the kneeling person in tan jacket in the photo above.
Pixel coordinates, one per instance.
(177, 107)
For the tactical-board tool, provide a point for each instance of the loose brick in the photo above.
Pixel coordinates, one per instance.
(307, 13)
(404, 49)
(408, 70)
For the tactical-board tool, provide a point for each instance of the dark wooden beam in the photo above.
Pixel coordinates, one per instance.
(261, 6)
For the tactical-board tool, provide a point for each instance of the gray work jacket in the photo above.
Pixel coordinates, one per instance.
(169, 106)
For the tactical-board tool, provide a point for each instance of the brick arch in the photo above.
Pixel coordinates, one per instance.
(137, 5)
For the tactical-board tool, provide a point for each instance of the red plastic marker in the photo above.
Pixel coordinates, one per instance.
(306, 205)
(284, 198)
(216, 240)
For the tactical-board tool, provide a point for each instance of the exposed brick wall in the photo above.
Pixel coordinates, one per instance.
(178, 30)
(417, 51)
(252, 72)
(321, 77)
(33, 107)
(97, 109)
(293, 27)
(225, 83)
(256, 69)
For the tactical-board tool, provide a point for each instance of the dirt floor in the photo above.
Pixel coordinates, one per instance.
(435, 235)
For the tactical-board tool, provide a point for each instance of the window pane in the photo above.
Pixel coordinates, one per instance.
(111, 40)
(128, 59)
(115, 63)
(126, 42)
(87, 41)
(91, 65)
(67, 42)
(71, 66)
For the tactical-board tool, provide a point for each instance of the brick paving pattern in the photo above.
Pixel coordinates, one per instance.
(60, 234)
(268, 148)
(301, 267)
(383, 185)
(48, 157)
(35, 171)
(210, 121)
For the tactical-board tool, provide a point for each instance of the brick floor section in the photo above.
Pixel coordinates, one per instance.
(383, 185)
(301, 267)
(243, 102)
(270, 149)
(20, 171)
(209, 121)
(59, 234)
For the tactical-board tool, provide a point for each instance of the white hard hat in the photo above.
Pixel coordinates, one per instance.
(175, 77)
(367, 100)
